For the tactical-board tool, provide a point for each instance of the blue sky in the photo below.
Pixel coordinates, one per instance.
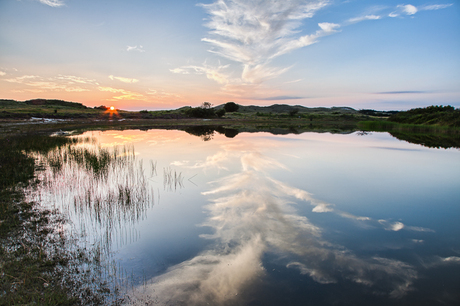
(141, 54)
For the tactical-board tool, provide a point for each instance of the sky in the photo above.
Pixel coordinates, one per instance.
(155, 54)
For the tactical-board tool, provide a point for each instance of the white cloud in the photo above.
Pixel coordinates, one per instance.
(435, 7)
(135, 48)
(124, 80)
(253, 33)
(442, 261)
(395, 226)
(408, 9)
(21, 79)
(52, 3)
(161, 95)
(2, 73)
(212, 72)
(123, 94)
(60, 83)
(328, 27)
(362, 18)
(451, 259)
(76, 79)
(320, 208)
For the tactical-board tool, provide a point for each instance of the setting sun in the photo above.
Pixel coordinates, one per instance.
(112, 108)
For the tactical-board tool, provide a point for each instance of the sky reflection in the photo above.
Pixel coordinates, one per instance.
(252, 214)
(258, 218)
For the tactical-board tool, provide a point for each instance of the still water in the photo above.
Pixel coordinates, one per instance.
(262, 219)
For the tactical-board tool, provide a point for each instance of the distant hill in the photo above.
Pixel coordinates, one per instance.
(46, 102)
(284, 108)
(55, 103)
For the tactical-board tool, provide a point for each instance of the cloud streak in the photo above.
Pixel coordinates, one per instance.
(135, 48)
(409, 9)
(124, 80)
(122, 94)
(52, 3)
(66, 83)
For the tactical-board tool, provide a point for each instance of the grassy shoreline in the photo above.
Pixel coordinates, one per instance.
(39, 265)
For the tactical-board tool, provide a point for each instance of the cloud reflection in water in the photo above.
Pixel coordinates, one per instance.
(252, 214)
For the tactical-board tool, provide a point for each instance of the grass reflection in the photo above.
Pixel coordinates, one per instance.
(105, 190)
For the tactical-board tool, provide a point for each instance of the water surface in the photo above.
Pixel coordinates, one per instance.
(259, 219)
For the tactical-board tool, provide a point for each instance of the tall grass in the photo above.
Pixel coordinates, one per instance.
(39, 263)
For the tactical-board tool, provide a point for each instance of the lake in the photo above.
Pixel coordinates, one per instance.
(263, 219)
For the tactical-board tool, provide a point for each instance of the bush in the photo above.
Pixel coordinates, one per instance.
(102, 107)
(231, 107)
(199, 112)
(220, 112)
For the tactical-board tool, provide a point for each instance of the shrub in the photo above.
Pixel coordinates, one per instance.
(199, 112)
(231, 107)
(220, 112)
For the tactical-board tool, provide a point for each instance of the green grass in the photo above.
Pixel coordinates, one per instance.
(38, 265)
(431, 115)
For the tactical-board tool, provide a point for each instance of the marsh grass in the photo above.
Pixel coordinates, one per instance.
(40, 263)
(104, 191)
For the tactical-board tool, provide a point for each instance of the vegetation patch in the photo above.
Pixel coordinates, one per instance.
(431, 115)
(39, 263)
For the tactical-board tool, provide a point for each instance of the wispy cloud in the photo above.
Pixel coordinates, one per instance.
(362, 18)
(409, 9)
(124, 80)
(250, 32)
(52, 3)
(401, 92)
(2, 73)
(122, 94)
(277, 98)
(435, 7)
(162, 96)
(441, 261)
(135, 48)
(59, 83)
(253, 33)
(212, 72)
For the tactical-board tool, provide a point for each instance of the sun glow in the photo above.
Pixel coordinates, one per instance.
(112, 111)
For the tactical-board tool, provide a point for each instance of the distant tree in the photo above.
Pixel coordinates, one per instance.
(206, 105)
(231, 107)
(293, 112)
